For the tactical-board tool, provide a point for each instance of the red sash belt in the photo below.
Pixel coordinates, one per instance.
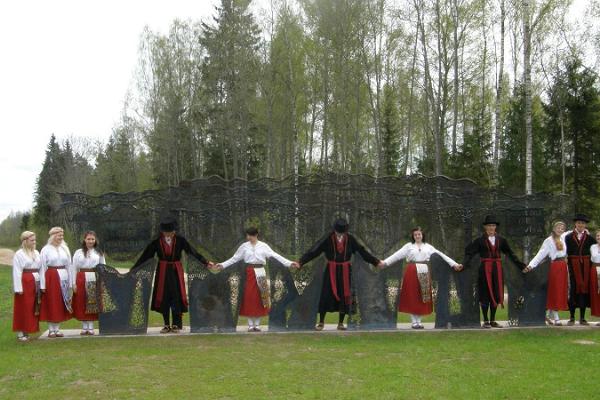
(488, 264)
(582, 278)
(162, 271)
(332, 265)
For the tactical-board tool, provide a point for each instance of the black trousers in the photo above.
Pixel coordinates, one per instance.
(577, 300)
(327, 301)
(177, 318)
(171, 303)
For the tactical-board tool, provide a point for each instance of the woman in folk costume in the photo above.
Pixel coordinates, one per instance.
(415, 293)
(85, 260)
(579, 243)
(336, 292)
(26, 284)
(169, 294)
(554, 248)
(256, 301)
(55, 282)
(490, 247)
(595, 278)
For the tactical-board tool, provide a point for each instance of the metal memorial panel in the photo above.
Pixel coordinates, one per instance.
(456, 296)
(303, 309)
(214, 299)
(124, 299)
(376, 297)
(527, 295)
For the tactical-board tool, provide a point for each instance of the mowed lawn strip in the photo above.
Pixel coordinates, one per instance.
(515, 364)
(524, 364)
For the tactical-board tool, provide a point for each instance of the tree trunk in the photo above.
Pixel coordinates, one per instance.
(499, 93)
(411, 103)
(431, 110)
(456, 75)
(563, 156)
(527, 94)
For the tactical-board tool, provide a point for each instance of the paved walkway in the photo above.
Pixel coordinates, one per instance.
(329, 329)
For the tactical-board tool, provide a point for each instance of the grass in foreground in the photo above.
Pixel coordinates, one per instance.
(516, 364)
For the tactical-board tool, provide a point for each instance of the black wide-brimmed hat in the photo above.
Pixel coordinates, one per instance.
(490, 219)
(168, 224)
(340, 225)
(581, 217)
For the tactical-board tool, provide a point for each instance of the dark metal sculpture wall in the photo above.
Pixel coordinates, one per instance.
(292, 213)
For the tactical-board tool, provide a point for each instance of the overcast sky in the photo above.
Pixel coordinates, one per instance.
(65, 68)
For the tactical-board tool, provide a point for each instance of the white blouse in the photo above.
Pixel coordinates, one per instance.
(413, 252)
(255, 255)
(595, 251)
(88, 261)
(55, 257)
(549, 250)
(22, 261)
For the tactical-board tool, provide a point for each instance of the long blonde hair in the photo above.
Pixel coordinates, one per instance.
(559, 244)
(55, 231)
(28, 251)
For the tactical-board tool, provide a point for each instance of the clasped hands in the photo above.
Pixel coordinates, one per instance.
(527, 269)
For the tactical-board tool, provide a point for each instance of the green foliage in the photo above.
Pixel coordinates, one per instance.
(116, 166)
(229, 82)
(574, 112)
(62, 171)
(511, 170)
(391, 132)
(47, 182)
(322, 85)
(296, 365)
(11, 228)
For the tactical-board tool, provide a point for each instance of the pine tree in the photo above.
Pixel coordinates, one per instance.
(46, 198)
(391, 132)
(574, 106)
(230, 78)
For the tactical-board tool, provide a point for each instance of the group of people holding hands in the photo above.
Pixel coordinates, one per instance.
(52, 286)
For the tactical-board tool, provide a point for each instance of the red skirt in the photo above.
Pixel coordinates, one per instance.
(251, 302)
(53, 306)
(24, 318)
(594, 295)
(80, 299)
(558, 286)
(410, 294)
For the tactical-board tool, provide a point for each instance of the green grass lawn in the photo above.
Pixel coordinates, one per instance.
(511, 364)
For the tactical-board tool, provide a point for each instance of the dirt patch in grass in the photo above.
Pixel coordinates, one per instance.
(81, 382)
(584, 342)
(6, 256)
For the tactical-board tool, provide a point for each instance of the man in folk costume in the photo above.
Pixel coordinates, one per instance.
(579, 242)
(336, 293)
(169, 294)
(490, 247)
(256, 301)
